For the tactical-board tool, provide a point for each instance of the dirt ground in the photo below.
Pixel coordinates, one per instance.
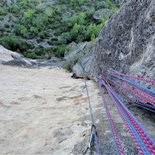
(40, 111)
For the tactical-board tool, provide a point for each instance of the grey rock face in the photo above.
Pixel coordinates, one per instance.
(74, 51)
(126, 43)
(77, 52)
(17, 56)
(18, 62)
(121, 1)
(83, 67)
(15, 59)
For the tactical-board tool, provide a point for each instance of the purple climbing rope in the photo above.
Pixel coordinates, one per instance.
(142, 140)
(134, 77)
(119, 149)
(133, 100)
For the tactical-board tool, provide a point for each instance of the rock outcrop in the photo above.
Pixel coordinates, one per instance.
(126, 43)
(77, 52)
(10, 58)
(100, 14)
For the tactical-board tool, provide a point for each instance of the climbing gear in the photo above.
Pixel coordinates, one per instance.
(128, 87)
(93, 136)
(143, 142)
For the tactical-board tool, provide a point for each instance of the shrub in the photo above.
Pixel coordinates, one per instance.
(108, 4)
(82, 18)
(43, 34)
(40, 22)
(21, 30)
(114, 9)
(91, 12)
(93, 37)
(40, 52)
(48, 12)
(33, 30)
(31, 55)
(64, 38)
(75, 30)
(6, 25)
(29, 13)
(77, 33)
(11, 42)
(68, 66)
(1, 12)
(92, 31)
(13, 9)
(1, 17)
(79, 19)
(37, 53)
(60, 51)
(104, 20)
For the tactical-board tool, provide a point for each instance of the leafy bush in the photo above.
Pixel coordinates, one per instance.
(43, 34)
(29, 13)
(60, 51)
(21, 30)
(92, 31)
(49, 12)
(11, 42)
(68, 66)
(75, 31)
(1, 12)
(6, 25)
(31, 55)
(114, 9)
(34, 31)
(40, 22)
(64, 38)
(13, 9)
(108, 4)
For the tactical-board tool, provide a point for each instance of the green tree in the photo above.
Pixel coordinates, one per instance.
(29, 13)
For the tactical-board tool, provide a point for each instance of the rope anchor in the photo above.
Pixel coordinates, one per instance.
(92, 139)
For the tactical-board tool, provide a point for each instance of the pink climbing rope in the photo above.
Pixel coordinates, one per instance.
(150, 145)
(112, 124)
(134, 77)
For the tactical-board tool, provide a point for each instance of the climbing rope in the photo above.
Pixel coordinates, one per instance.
(116, 141)
(93, 136)
(139, 91)
(134, 99)
(134, 77)
(117, 83)
(135, 84)
(142, 141)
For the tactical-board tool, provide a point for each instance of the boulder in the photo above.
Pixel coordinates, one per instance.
(5, 54)
(18, 62)
(121, 1)
(17, 56)
(83, 67)
(100, 14)
(77, 52)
